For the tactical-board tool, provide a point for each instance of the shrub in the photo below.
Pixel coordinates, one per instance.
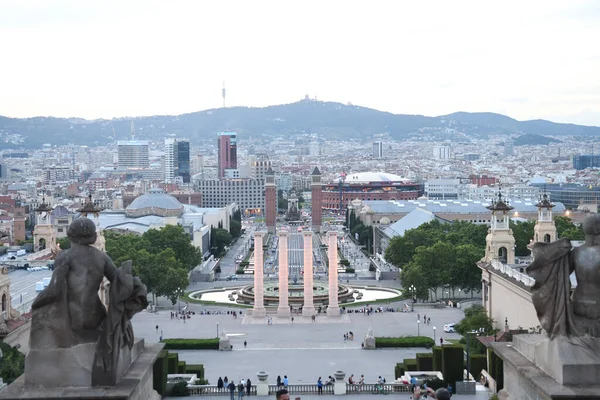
(453, 363)
(410, 364)
(197, 369)
(12, 364)
(159, 373)
(201, 382)
(173, 361)
(350, 270)
(477, 362)
(180, 389)
(181, 367)
(435, 383)
(191, 344)
(437, 358)
(404, 341)
(424, 361)
(399, 371)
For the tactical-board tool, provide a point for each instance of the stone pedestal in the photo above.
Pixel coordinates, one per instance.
(339, 386)
(333, 309)
(135, 384)
(529, 378)
(224, 342)
(262, 386)
(259, 290)
(308, 308)
(283, 310)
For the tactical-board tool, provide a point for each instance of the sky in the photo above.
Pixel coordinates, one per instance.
(103, 59)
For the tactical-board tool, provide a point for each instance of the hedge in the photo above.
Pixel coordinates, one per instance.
(477, 363)
(159, 373)
(497, 366)
(453, 363)
(350, 270)
(173, 361)
(404, 341)
(410, 364)
(197, 369)
(437, 358)
(191, 344)
(424, 362)
(180, 389)
(181, 367)
(399, 371)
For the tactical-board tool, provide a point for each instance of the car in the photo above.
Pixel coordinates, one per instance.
(232, 278)
(449, 328)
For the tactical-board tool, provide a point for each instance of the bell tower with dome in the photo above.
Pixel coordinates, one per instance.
(544, 230)
(500, 242)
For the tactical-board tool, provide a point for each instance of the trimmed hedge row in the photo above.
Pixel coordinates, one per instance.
(424, 362)
(437, 358)
(399, 371)
(404, 341)
(181, 367)
(173, 363)
(197, 369)
(191, 344)
(159, 373)
(453, 363)
(410, 364)
(496, 369)
(477, 363)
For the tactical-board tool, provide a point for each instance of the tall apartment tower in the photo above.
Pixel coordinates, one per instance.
(270, 201)
(133, 154)
(377, 149)
(177, 160)
(441, 152)
(227, 145)
(317, 198)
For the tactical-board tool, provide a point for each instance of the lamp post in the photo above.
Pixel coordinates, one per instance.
(468, 349)
(434, 335)
(179, 299)
(413, 290)
(217, 329)
(418, 327)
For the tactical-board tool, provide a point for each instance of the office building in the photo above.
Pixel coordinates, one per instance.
(248, 194)
(177, 161)
(441, 152)
(133, 154)
(509, 148)
(259, 166)
(53, 175)
(377, 150)
(227, 147)
(586, 161)
(4, 172)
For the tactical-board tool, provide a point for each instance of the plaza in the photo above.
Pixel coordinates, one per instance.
(303, 350)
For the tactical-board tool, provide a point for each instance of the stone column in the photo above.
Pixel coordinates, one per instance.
(339, 387)
(259, 290)
(308, 308)
(284, 308)
(333, 310)
(262, 386)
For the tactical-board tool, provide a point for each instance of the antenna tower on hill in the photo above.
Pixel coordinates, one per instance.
(223, 94)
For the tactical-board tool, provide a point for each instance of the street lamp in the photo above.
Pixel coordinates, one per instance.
(217, 329)
(413, 290)
(434, 335)
(418, 327)
(179, 299)
(468, 349)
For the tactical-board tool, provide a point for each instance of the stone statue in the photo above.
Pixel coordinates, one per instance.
(68, 313)
(561, 314)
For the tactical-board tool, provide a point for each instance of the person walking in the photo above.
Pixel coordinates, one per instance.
(231, 388)
(248, 386)
(320, 385)
(245, 344)
(241, 390)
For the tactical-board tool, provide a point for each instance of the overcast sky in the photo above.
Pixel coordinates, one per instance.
(527, 59)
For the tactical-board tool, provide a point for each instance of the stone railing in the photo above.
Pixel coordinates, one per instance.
(373, 388)
(513, 273)
(213, 390)
(366, 388)
(302, 389)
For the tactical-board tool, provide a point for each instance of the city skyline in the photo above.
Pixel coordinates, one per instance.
(103, 60)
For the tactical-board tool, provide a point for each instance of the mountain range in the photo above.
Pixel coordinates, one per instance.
(329, 119)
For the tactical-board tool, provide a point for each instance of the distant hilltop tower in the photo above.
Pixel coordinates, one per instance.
(223, 93)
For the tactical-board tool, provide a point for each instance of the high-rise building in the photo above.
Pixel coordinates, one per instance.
(314, 149)
(177, 160)
(378, 149)
(442, 152)
(259, 166)
(4, 172)
(133, 154)
(586, 161)
(227, 145)
(509, 148)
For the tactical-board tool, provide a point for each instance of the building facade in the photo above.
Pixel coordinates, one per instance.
(133, 154)
(227, 148)
(377, 150)
(248, 194)
(177, 161)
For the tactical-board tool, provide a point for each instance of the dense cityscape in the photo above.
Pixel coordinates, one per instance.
(165, 232)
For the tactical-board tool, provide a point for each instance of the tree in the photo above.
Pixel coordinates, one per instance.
(465, 274)
(523, 233)
(173, 237)
(12, 364)
(412, 275)
(235, 227)
(300, 201)
(475, 319)
(565, 228)
(64, 243)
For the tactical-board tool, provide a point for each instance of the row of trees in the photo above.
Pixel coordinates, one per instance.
(162, 258)
(523, 232)
(356, 226)
(439, 254)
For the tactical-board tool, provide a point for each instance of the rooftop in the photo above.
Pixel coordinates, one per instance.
(450, 206)
(372, 177)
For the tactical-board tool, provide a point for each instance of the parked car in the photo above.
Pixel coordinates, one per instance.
(232, 278)
(449, 328)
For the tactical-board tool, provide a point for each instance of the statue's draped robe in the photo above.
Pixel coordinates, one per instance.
(551, 294)
(127, 297)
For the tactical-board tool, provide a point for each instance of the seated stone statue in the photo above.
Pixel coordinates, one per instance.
(561, 314)
(69, 313)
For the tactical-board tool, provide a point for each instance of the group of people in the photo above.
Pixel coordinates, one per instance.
(348, 336)
(244, 387)
(426, 320)
(285, 382)
(182, 315)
